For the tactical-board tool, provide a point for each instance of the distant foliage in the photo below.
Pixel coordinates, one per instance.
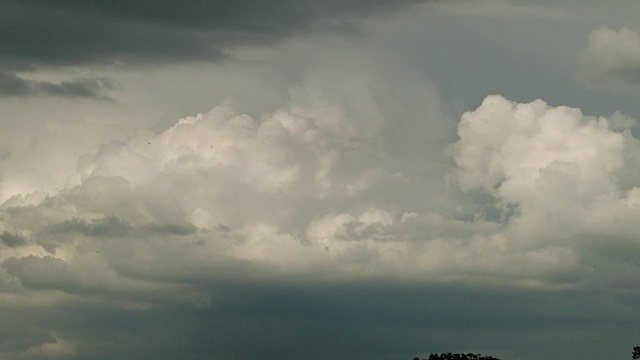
(469, 356)
(636, 352)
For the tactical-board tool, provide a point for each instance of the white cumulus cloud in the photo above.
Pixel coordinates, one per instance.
(557, 171)
(308, 191)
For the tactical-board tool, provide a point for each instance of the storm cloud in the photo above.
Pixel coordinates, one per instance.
(268, 185)
(44, 34)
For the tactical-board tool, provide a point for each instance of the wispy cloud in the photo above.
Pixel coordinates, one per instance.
(612, 57)
(12, 85)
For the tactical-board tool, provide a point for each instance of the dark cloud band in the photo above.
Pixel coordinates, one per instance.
(61, 32)
(35, 33)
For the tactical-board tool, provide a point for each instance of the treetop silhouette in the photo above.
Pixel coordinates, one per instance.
(458, 356)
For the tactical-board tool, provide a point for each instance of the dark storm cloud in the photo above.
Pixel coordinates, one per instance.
(71, 32)
(36, 33)
(12, 240)
(351, 321)
(42, 272)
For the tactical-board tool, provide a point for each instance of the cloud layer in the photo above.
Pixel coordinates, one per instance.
(49, 34)
(310, 196)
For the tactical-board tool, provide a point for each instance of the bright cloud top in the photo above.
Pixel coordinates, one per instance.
(510, 147)
(563, 181)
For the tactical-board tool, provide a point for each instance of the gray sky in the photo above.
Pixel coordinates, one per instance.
(323, 180)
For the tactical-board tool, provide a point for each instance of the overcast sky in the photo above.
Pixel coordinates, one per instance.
(355, 179)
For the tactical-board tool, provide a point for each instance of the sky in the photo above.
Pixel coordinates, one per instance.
(326, 179)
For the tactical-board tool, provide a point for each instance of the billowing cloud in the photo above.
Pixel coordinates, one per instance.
(504, 147)
(340, 208)
(556, 175)
(222, 207)
(301, 190)
(612, 56)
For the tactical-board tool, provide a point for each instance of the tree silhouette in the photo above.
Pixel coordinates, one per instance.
(459, 356)
(636, 352)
